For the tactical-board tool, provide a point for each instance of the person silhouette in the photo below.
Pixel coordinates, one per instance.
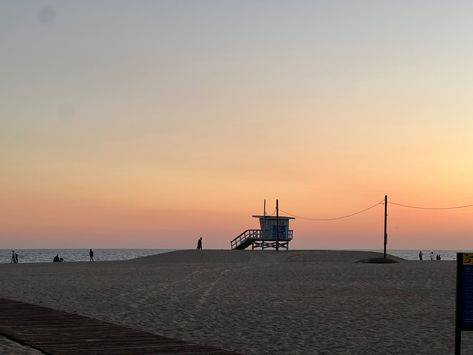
(13, 258)
(420, 255)
(56, 259)
(199, 244)
(91, 255)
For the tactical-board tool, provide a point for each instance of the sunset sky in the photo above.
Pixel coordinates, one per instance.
(146, 124)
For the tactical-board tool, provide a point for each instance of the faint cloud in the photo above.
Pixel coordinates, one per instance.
(46, 14)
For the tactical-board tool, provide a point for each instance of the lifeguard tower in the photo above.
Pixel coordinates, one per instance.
(274, 233)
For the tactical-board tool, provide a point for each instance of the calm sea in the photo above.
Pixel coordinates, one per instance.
(47, 255)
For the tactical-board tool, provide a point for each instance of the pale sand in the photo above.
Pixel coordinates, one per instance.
(304, 302)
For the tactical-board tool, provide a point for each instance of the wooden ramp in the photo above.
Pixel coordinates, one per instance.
(57, 332)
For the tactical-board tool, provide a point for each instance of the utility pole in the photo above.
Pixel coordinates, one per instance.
(264, 208)
(277, 225)
(385, 223)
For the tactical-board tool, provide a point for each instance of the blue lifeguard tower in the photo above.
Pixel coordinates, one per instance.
(274, 233)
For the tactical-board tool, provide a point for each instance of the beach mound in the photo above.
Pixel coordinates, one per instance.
(344, 256)
(259, 256)
(197, 256)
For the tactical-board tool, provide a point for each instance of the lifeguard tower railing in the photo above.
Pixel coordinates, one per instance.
(254, 237)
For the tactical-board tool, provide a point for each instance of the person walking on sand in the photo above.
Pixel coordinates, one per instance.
(432, 256)
(420, 255)
(13, 259)
(16, 258)
(199, 244)
(91, 255)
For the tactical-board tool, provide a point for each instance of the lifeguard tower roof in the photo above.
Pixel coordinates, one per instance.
(273, 217)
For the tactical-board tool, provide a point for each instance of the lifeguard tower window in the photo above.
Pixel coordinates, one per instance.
(282, 232)
(274, 233)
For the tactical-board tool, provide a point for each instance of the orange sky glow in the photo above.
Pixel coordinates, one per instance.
(149, 124)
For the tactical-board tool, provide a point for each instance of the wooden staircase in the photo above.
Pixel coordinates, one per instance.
(245, 239)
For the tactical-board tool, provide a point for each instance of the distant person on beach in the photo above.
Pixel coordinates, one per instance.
(56, 259)
(439, 257)
(91, 255)
(420, 255)
(199, 244)
(431, 255)
(13, 258)
(16, 258)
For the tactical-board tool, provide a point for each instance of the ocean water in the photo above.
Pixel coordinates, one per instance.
(47, 255)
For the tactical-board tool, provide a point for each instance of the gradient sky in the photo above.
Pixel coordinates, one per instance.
(151, 123)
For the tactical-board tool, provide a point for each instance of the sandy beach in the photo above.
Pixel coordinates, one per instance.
(10, 347)
(253, 302)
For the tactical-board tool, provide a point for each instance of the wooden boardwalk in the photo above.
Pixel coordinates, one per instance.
(57, 332)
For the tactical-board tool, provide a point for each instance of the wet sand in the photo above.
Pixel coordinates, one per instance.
(304, 302)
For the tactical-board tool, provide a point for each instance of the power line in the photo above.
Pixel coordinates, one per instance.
(335, 218)
(430, 208)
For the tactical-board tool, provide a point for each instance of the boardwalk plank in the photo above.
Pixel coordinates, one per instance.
(57, 332)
